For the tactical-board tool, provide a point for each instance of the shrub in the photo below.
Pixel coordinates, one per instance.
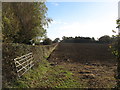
(56, 40)
(47, 41)
(105, 39)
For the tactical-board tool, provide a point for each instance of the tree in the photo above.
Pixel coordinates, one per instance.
(24, 21)
(78, 39)
(105, 39)
(56, 40)
(93, 39)
(47, 41)
(117, 49)
(10, 23)
(64, 38)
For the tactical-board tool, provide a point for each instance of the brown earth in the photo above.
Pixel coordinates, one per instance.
(92, 65)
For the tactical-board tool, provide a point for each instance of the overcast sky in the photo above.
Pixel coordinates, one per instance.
(87, 19)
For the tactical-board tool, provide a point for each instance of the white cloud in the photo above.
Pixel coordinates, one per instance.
(82, 0)
(54, 3)
(91, 29)
(59, 22)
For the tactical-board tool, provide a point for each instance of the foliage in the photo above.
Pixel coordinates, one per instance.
(56, 40)
(105, 39)
(12, 50)
(78, 39)
(118, 55)
(46, 76)
(47, 41)
(115, 47)
(23, 21)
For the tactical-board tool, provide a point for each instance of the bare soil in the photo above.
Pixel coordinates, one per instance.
(92, 65)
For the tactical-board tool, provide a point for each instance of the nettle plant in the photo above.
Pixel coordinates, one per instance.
(115, 46)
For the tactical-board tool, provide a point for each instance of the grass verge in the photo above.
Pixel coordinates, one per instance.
(46, 76)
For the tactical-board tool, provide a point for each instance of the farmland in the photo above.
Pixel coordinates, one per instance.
(91, 64)
(44, 48)
(72, 65)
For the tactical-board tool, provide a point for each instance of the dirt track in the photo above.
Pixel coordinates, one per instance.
(91, 64)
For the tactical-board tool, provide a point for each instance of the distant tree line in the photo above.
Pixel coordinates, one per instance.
(47, 41)
(78, 39)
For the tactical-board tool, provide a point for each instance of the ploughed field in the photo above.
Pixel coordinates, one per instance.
(92, 65)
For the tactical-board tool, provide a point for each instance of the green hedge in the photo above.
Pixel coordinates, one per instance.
(13, 50)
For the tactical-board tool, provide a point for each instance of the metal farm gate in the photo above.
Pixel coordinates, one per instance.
(24, 63)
